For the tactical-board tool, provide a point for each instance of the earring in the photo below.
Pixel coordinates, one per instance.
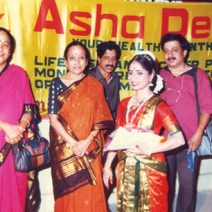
(150, 84)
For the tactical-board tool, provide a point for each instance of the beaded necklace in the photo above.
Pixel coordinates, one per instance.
(130, 123)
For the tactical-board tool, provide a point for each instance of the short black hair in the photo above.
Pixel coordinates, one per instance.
(184, 44)
(108, 45)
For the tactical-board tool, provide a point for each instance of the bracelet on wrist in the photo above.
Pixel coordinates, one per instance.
(28, 123)
(93, 136)
(106, 169)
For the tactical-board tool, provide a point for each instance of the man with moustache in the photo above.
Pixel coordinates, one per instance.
(180, 96)
(108, 54)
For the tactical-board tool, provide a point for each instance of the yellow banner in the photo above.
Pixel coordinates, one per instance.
(42, 30)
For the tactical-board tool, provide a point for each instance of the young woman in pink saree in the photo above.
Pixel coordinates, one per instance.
(141, 171)
(16, 107)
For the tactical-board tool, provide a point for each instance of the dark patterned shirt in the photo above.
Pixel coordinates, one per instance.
(111, 88)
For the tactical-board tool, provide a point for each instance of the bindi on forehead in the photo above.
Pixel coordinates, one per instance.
(133, 68)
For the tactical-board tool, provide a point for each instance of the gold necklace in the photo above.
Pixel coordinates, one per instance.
(138, 100)
(128, 121)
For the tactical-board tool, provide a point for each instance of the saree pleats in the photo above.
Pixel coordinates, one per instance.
(142, 180)
(68, 171)
(33, 192)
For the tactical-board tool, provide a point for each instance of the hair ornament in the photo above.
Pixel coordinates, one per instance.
(148, 55)
(159, 84)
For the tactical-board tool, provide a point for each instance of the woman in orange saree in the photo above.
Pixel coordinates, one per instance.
(141, 171)
(79, 116)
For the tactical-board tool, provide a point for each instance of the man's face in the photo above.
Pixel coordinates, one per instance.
(108, 61)
(173, 54)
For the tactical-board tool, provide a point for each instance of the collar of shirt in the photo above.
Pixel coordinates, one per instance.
(99, 75)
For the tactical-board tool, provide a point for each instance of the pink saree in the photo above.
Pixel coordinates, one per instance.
(15, 92)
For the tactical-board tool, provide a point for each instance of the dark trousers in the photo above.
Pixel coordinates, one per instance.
(186, 200)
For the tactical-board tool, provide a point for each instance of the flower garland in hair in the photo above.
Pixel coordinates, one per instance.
(159, 84)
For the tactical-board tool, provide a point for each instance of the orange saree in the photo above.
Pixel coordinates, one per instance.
(141, 180)
(77, 182)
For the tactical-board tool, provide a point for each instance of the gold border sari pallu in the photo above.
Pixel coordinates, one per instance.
(4, 152)
(70, 172)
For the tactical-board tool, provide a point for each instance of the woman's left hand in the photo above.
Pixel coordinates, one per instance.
(14, 133)
(80, 148)
(107, 177)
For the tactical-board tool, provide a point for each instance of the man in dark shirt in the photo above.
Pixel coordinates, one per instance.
(108, 54)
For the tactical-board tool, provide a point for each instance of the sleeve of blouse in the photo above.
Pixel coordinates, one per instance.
(52, 99)
(166, 118)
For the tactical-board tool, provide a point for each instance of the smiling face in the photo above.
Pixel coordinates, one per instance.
(4, 49)
(138, 77)
(173, 54)
(108, 61)
(76, 60)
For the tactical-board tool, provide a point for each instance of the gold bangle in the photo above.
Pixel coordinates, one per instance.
(93, 136)
(106, 169)
(23, 119)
